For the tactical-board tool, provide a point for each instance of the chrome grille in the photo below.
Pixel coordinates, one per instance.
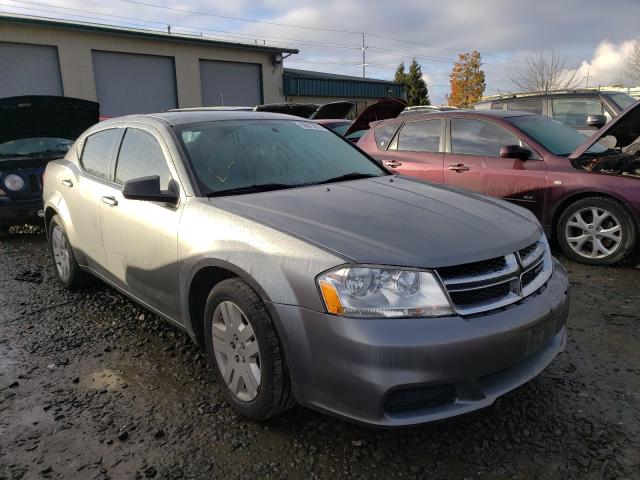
(481, 286)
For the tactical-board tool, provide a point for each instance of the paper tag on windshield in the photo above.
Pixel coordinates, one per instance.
(311, 126)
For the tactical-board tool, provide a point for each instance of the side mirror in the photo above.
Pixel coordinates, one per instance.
(514, 151)
(148, 189)
(597, 121)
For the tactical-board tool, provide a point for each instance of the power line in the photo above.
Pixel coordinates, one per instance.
(305, 27)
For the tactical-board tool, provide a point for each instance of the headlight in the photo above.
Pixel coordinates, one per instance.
(13, 182)
(383, 293)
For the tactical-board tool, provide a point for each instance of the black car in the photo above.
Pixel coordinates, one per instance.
(584, 110)
(33, 131)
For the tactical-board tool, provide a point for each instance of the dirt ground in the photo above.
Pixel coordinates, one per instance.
(94, 387)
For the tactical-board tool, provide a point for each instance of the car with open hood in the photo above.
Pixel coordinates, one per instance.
(33, 131)
(306, 271)
(585, 191)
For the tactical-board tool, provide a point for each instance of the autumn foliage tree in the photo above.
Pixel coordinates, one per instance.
(466, 80)
(417, 92)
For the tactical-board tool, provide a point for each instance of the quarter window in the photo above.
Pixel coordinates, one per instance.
(383, 136)
(531, 105)
(141, 156)
(97, 151)
(574, 111)
(479, 138)
(420, 136)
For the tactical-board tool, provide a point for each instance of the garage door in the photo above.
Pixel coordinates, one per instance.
(130, 83)
(230, 83)
(29, 70)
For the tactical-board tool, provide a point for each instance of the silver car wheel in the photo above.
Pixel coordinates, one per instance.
(593, 233)
(236, 350)
(61, 253)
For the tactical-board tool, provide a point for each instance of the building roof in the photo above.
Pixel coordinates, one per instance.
(333, 76)
(140, 33)
(306, 83)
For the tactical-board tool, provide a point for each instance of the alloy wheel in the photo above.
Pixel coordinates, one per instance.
(61, 253)
(593, 233)
(236, 350)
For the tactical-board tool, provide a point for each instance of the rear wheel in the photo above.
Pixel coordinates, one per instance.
(245, 352)
(4, 231)
(597, 231)
(64, 262)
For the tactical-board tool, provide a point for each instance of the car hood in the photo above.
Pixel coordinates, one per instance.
(45, 116)
(333, 110)
(625, 128)
(381, 110)
(392, 221)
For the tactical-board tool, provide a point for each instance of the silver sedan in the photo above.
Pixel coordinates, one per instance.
(306, 271)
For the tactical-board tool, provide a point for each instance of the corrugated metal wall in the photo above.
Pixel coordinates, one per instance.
(331, 87)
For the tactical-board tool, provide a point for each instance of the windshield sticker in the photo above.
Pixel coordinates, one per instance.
(311, 126)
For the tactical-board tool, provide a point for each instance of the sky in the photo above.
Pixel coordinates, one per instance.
(593, 36)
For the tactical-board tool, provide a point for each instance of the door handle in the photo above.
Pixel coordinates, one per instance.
(459, 168)
(67, 183)
(111, 201)
(392, 163)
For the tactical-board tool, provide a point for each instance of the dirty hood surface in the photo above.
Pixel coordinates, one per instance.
(392, 220)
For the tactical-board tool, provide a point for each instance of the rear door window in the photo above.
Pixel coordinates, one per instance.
(97, 152)
(384, 135)
(141, 156)
(420, 136)
(479, 138)
(531, 105)
(574, 111)
(498, 105)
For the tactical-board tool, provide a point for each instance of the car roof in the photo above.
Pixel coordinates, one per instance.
(562, 93)
(176, 118)
(454, 113)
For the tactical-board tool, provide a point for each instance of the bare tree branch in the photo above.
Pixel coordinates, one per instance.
(542, 74)
(633, 62)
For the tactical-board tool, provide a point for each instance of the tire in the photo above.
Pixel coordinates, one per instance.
(4, 231)
(254, 399)
(70, 275)
(596, 231)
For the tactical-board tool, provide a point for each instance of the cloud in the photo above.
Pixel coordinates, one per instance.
(608, 64)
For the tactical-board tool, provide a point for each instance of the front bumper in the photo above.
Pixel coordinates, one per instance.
(353, 367)
(19, 212)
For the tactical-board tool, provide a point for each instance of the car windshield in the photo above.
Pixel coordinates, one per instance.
(256, 155)
(33, 147)
(622, 100)
(553, 135)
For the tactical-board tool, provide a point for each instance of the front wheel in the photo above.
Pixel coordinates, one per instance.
(245, 352)
(596, 231)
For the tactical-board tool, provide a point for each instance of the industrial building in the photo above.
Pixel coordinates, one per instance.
(304, 86)
(134, 71)
(139, 71)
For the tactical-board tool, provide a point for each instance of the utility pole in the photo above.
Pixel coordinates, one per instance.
(587, 77)
(363, 57)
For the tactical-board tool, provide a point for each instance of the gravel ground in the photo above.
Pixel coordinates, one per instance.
(94, 387)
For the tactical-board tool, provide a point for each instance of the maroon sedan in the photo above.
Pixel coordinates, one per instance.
(585, 191)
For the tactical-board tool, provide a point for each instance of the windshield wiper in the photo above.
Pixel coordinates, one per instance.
(265, 187)
(348, 176)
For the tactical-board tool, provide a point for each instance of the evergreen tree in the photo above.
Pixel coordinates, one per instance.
(415, 86)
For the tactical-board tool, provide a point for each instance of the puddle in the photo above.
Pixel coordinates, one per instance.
(106, 379)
